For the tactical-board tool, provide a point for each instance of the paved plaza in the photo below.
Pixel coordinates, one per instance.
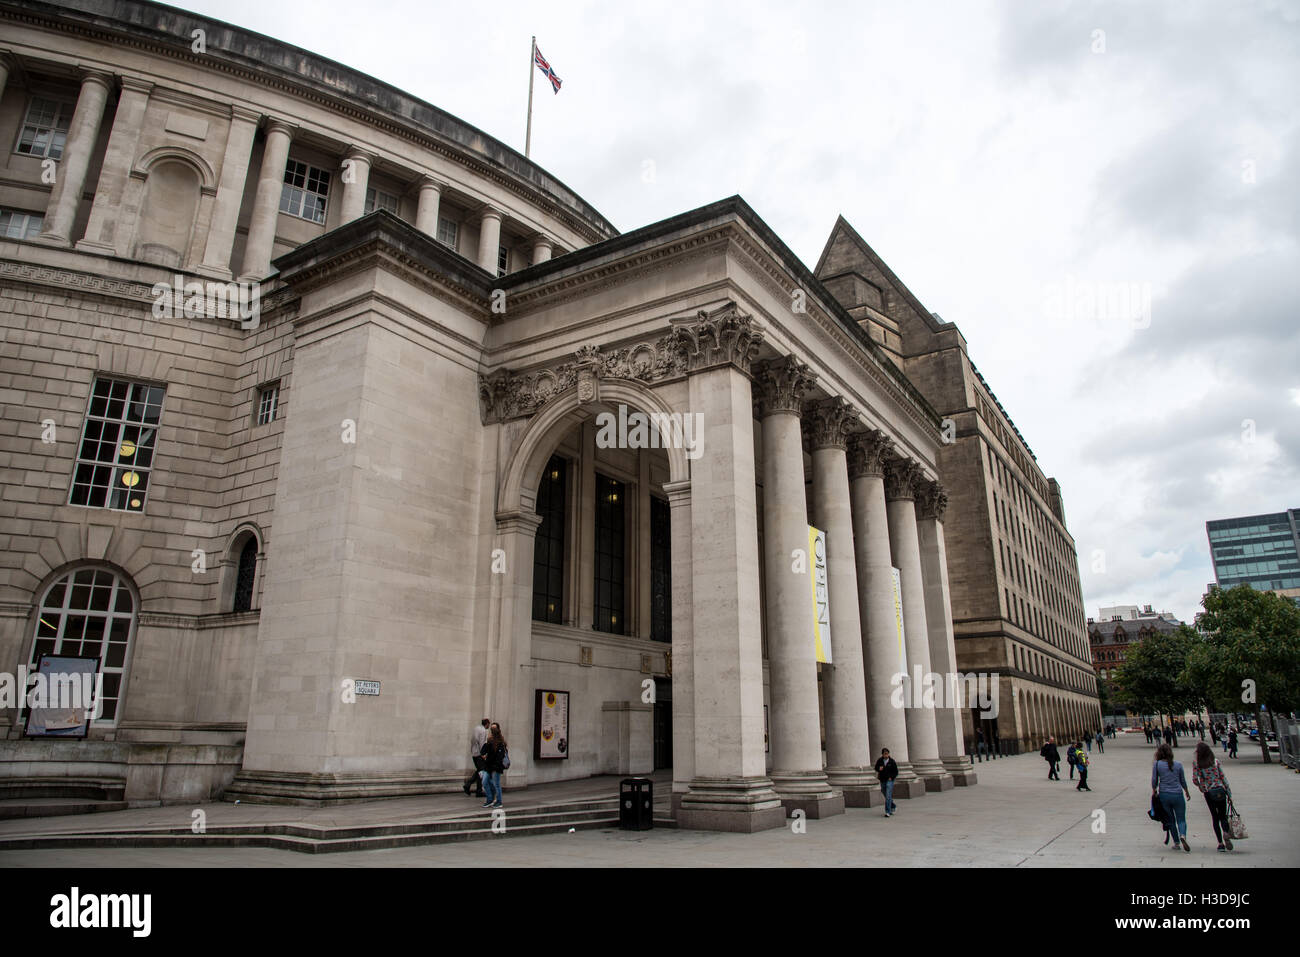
(1014, 817)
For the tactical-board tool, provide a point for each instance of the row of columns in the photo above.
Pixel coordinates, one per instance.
(1045, 715)
(101, 234)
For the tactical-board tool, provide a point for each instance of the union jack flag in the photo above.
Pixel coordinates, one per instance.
(546, 69)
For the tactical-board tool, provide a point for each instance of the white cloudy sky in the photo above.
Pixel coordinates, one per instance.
(995, 154)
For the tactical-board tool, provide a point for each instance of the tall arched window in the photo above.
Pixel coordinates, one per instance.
(246, 575)
(89, 612)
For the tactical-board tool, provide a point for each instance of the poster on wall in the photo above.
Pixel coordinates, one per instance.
(821, 602)
(551, 725)
(62, 696)
(898, 619)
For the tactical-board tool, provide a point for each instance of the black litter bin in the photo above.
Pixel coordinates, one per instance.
(636, 801)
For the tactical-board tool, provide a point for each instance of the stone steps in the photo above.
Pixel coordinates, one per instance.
(11, 808)
(311, 839)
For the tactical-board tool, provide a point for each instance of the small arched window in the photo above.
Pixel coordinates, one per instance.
(246, 576)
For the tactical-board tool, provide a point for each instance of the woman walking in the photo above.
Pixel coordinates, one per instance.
(1208, 776)
(494, 757)
(1169, 785)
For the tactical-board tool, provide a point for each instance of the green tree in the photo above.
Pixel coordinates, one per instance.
(1103, 697)
(1151, 678)
(1247, 653)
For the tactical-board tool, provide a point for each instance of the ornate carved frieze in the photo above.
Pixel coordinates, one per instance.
(826, 424)
(868, 452)
(781, 384)
(902, 479)
(707, 340)
(931, 501)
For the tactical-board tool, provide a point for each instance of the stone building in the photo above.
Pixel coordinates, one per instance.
(1017, 606)
(307, 396)
(1113, 633)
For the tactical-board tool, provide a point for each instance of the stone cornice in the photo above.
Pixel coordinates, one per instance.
(780, 385)
(868, 452)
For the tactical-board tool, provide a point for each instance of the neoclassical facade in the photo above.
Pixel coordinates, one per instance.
(313, 541)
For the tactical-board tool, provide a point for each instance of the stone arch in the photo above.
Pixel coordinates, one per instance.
(174, 182)
(230, 565)
(518, 488)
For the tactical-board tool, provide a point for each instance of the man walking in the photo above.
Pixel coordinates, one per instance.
(476, 741)
(1101, 743)
(1081, 759)
(1232, 743)
(887, 771)
(1053, 757)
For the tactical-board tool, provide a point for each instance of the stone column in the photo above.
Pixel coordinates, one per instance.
(266, 202)
(683, 645)
(901, 478)
(884, 652)
(107, 230)
(355, 176)
(6, 59)
(230, 193)
(795, 720)
(489, 239)
(850, 766)
(930, 506)
(510, 655)
(729, 789)
(541, 249)
(70, 174)
(426, 213)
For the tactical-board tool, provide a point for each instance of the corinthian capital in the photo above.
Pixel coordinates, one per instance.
(902, 478)
(782, 384)
(931, 501)
(867, 453)
(715, 338)
(827, 423)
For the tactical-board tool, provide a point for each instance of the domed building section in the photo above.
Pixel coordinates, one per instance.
(335, 425)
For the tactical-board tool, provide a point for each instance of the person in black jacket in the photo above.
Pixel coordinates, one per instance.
(1053, 758)
(887, 771)
(494, 752)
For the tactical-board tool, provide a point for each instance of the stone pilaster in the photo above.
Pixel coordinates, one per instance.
(882, 634)
(230, 193)
(848, 750)
(931, 502)
(795, 721)
(902, 477)
(70, 174)
(266, 202)
(107, 231)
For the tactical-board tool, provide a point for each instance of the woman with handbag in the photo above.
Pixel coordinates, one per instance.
(1170, 786)
(496, 758)
(1209, 778)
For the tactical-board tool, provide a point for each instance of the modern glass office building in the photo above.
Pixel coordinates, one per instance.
(1262, 551)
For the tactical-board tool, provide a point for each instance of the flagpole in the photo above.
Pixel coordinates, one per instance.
(528, 136)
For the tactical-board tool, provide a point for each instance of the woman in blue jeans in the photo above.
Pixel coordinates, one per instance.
(1169, 785)
(493, 752)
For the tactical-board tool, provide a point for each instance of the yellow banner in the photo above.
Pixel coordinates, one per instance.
(821, 602)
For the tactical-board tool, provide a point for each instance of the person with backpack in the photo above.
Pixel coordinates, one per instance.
(1081, 762)
(1208, 777)
(496, 758)
(476, 741)
(1053, 758)
(1101, 742)
(1069, 758)
(1170, 786)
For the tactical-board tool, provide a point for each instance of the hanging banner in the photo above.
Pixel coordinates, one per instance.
(821, 602)
(898, 620)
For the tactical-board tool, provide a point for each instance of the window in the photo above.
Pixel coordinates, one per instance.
(15, 224)
(88, 612)
(117, 445)
(305, 191)
(246, 575)
(610, 535)
(45, 130)
(378, 199)
(503, 260)
(268, 403)
(448, 232)
(661, 580)
(548, 546)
